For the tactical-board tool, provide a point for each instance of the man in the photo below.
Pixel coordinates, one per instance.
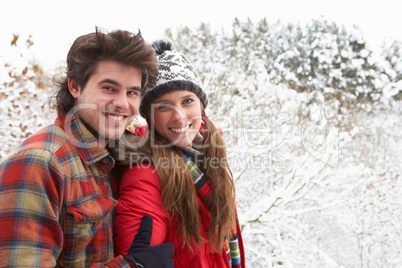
(56, 197)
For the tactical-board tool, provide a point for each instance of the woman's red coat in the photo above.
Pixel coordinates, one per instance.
(139, 195)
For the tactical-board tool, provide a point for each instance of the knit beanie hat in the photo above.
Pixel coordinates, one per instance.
(175, 73)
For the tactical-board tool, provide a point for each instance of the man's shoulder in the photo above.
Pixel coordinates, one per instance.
(45, 143)
(36, 151)
(50, 138)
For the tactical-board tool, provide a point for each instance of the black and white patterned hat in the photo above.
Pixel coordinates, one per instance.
(175, 73)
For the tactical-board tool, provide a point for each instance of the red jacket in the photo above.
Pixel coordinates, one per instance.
(139, 195)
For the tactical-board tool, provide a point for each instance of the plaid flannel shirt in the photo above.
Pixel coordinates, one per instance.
(55, 202)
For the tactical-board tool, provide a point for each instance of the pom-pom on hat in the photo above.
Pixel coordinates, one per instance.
(175, 73)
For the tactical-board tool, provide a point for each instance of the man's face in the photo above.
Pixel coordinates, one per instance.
(110, 99)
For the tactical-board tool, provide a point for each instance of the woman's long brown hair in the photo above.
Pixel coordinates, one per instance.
(179, 195)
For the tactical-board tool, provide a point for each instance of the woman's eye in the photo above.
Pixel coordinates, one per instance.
(188, 101)
(164, 106)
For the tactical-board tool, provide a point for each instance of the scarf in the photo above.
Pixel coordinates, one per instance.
(204, 190)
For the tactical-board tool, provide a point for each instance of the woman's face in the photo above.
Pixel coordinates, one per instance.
(176, 116)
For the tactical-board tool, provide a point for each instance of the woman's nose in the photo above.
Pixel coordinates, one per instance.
(178, 114)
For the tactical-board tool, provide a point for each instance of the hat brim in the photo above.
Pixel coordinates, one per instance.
(169, 87)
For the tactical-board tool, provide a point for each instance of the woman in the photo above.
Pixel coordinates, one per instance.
(191, 196)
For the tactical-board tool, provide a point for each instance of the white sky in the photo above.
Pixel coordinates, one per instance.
(55, 24)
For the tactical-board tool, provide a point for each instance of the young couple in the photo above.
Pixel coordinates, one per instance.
(57, 189)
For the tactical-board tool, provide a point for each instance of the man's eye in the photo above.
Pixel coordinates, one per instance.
(109, 88)
(133, 93)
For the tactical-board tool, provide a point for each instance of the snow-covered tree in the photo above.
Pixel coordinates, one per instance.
(296, 106)
(24, 95)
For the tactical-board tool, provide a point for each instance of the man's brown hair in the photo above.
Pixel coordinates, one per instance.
(88, 50)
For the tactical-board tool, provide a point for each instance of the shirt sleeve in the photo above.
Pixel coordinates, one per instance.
(30, 189)
(117, 262)
(139, 195)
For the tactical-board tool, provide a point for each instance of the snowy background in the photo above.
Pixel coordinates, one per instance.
(312, 120)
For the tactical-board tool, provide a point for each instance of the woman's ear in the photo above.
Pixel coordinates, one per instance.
(74, 88)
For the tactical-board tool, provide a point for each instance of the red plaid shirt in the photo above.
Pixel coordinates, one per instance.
(55, 201)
